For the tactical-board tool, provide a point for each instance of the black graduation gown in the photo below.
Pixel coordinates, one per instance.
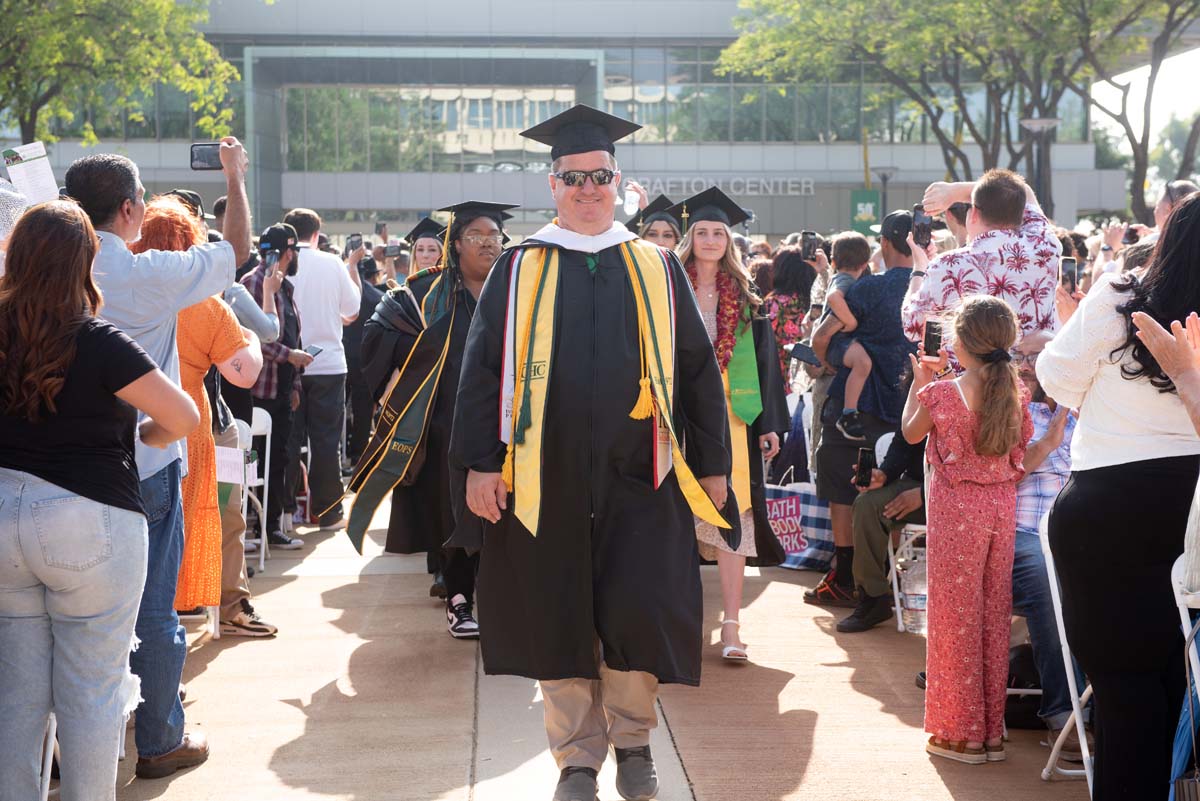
(421, 518)
(774, 418)
(613, 557)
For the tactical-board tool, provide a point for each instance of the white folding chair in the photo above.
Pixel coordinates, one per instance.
(900, 544)
(1078, 701)
(260, 426)
(50, 745)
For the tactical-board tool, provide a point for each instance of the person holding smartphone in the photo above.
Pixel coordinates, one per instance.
(1012, 254)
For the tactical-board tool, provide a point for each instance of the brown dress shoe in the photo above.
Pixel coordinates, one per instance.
(191, 752)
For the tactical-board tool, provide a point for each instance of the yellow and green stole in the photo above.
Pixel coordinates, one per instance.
(404, 417)
(528, 354)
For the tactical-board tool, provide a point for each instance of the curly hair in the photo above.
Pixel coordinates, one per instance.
(169, 225)
(46, 293)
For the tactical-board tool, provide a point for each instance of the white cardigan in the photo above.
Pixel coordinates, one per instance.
(1120, 421)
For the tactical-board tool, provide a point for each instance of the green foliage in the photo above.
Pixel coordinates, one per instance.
(60, 55)
(1109, 155)
(1172, 140)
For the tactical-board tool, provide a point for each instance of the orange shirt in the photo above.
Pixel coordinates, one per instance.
(208, 333)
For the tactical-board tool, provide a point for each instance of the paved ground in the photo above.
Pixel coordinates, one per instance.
(364, 697)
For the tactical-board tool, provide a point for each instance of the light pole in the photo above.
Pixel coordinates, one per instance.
(884, 174)
(1041, 129)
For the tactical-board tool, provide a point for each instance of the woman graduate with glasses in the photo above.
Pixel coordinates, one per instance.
(412, 354)
(756, 400)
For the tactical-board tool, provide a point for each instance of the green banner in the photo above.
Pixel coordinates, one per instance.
(864, 210)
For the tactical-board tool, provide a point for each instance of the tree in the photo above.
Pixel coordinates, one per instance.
(57, 55)
(1175, 154)
(974, 68)
(1106, 42)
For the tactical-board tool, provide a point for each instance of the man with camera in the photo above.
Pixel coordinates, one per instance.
(1013, 255)
(143, 294)
(278, 387)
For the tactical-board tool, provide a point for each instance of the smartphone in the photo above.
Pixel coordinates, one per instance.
(808, 245)
(313, 350)
(380, 229)
(805, 353)
(816, 309)
(1131, 236)
(866, 463)
(933, 341)
(391, 251)
(922, 229)
(206, 155)
(354, 242)
(1068, 274)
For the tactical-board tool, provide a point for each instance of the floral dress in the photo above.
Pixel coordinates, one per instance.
(971, 531)
(788, 314)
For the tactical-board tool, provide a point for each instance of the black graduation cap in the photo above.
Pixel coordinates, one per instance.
(711, 205)
(580, 129)
(481, 207)
(425, 228)
(655, 210)
(478, 208)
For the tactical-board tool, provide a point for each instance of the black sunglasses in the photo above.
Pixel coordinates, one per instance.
(601, 177)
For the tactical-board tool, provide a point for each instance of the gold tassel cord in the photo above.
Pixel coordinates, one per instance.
(644, 407)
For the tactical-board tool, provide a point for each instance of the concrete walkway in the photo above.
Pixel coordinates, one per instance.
(364, 697)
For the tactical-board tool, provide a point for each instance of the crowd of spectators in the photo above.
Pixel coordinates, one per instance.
(1043, 401)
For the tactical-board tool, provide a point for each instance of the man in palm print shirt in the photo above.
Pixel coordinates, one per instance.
(1013, 255)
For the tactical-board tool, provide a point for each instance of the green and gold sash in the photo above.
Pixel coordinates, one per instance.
(528, 354)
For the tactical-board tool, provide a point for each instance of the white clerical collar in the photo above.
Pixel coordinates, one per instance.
(554, 235)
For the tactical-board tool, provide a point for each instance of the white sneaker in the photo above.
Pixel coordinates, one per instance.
(459, 621)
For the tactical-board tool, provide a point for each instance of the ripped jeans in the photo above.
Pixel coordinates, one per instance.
(71, 576)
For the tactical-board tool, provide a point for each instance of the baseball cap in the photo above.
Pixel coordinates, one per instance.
(193, 201)
(279, 236)
(895, 227)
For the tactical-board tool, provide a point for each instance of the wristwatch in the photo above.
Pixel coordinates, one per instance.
(1106, 248)
(917, 274)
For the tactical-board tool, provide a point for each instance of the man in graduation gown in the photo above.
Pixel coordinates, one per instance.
(413, 370)
(586, 356)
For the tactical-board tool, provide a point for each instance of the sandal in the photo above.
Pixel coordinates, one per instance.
(995, 753)
(957, 751)
(734, 653)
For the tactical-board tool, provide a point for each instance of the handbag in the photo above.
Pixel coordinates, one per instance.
(1187, 786)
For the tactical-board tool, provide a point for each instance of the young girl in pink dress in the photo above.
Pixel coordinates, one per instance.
(978, 426)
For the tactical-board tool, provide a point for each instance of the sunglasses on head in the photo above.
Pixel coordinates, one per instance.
(601, 177)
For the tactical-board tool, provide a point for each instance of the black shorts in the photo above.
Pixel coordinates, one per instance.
(838, 456)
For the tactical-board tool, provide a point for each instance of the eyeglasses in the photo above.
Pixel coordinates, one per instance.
(601, 177)
(481, 239)
(1024, 358)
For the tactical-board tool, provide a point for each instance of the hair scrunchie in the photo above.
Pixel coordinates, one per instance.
(998, 355)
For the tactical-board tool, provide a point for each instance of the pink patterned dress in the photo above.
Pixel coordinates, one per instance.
(971, 528)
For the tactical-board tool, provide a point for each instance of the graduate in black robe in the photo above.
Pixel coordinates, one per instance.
(605, 601)
(745, 346)
(421, 518)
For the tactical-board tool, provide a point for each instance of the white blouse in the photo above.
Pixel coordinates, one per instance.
(1120, 421)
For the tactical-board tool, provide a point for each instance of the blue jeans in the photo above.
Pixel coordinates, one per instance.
(158, 661)
(71, 574)
(1031, 600)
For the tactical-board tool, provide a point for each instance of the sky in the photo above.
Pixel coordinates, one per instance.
(1175, 92)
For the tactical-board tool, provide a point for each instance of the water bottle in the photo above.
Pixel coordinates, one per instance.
(914, 585)
(631, 202)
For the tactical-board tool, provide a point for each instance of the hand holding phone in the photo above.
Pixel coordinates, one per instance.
(808, 245)
(922, 229)
(1068, 274)
(381, 230)
(206, 156)
(866, 463)
(354, 242)
(931, 342)
(313, 350)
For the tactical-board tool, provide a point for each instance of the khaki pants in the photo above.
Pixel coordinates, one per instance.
(872, 531)
(585, 716)
(235, 585)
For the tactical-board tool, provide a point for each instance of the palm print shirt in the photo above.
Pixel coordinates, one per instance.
(1018, 266)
